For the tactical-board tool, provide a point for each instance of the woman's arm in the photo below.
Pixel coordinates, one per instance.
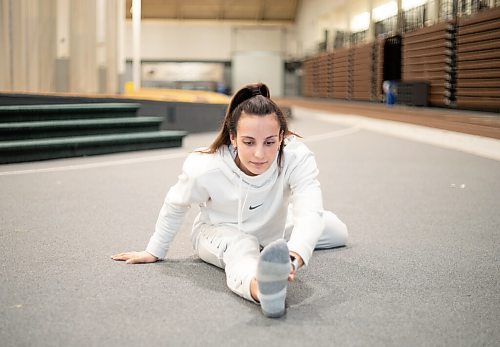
(307, 201)
(177, 202)
(297, 263)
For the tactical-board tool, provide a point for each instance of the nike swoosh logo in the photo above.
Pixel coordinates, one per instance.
(254, 207)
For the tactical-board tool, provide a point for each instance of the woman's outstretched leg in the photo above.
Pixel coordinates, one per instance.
(334, 232)
(258, 277)
(235, 252)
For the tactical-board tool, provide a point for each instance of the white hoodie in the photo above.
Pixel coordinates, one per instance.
(256, 205)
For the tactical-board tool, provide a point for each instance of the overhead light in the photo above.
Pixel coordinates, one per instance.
(360, 22)
(409, 4)
(385, 11)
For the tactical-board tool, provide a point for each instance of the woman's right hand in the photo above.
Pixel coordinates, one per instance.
(135, 257)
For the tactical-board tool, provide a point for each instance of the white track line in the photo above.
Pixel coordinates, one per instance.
(478, 145)
(332, 134)
(320, 137)
(97, 164)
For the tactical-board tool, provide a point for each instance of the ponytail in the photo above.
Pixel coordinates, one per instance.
(253, 99)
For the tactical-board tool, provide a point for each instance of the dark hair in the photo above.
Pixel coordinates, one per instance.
(253, 99)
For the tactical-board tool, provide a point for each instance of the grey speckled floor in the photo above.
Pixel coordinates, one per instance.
(422, 266)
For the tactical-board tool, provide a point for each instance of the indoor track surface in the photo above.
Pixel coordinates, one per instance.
(421, 268)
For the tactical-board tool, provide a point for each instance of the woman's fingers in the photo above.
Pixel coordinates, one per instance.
(123, 256)
(135, 260)
(117, 256)
(135, 257)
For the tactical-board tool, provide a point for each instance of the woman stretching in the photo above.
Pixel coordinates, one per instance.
(261, 211)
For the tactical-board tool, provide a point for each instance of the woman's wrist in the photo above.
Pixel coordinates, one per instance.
(151, 254)
(296, 261)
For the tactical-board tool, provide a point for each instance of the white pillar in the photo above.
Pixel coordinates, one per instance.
(101, 45)
(63, 15)
(136, 33)
(434, 8)
(101, 33)
(371, 25)
(6, 67)
(349, 20)
(399, 26)
(121, 44)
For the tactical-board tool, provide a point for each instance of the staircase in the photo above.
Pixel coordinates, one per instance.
(40, 132)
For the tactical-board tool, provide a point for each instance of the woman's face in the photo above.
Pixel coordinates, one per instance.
(258, 140)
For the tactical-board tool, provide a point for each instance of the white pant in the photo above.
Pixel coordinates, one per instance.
(238, 253)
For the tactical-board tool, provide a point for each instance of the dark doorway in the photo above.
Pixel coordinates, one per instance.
(392, 58)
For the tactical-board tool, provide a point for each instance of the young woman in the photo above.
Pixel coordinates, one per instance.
(261, 211)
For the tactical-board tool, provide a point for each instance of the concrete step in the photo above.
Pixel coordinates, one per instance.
(65, 147)
(76, 127)
(25, 113)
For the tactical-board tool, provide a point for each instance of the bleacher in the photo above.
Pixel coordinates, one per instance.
(425, 56)
(454, 63)
(362, 66)
(478, 60)
(39, 132)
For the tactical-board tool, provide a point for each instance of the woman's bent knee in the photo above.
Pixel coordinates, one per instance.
(335, 233)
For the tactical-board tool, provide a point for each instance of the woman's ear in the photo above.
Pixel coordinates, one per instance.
(233, 139)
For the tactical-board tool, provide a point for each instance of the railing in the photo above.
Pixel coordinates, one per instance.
(386, 27)
(358, 37)
(458, 8)
(411, 20)
(414, 18)
(341, 39)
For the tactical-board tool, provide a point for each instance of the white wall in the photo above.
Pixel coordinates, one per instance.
(253, 66)
(256, 52)
(258, 57)
(163, 40)
(206, 41)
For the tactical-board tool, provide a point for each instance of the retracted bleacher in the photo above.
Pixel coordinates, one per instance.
(362, 72)
(341, 73)
(478, 61)
(425, 58)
